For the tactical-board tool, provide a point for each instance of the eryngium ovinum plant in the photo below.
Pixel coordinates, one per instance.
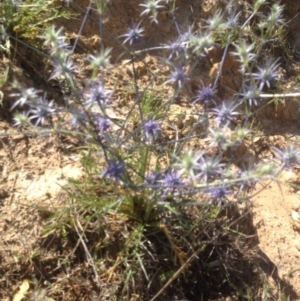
(132, 169)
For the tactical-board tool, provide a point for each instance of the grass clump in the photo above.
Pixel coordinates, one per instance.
(27, 20)
(156, 214)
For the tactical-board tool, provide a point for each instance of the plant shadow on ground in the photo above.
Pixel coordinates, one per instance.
(204, 251)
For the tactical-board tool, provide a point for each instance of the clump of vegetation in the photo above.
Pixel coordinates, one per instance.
(24, 23)
(153, 218)
(27, 20)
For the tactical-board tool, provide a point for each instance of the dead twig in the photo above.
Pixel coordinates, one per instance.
(179, 271)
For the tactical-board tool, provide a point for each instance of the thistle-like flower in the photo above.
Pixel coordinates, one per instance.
(258, 4)
(99, 95)
(133, 35)
(268, 170)
(241, 133)
(251, 95)
(267, 75)
(201, 42)
(115, 170)
(233, 20)
(216, 22)
(275, 16)
(225, 113)
(178, 77)
(42, 110)
(21, 119)
(206, 95)
(186, 36)
(78, 119)
(219, 137)
(153, 180)
(244, 54)
(209, 167)
(100, 61)
(249, 179)
(289, 157)
(151, 7)
(151, 130)
(176, 48)
(188, 165)
(26, 96)
(63, 65)
(172, 181)
(103, 125)
(219, 193)
(55, 39)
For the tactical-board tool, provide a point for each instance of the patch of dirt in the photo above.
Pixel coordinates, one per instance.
(278, 232)
(33, 172)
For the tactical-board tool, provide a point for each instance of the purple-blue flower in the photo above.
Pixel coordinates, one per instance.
(251, 95)
(233, 20)
(153, 180)
(103, 125)
(289, 157)
(172, 181)
(42, 110)
(151, 130)
(249, 180)
(63, 66)
(99, 95)
(209, 167)
(175, 48)
(133, 35)
(178, 47)
(78, 119)
(225, 113)
(206, 95)
(26, 96)
(219, 193)
(178, 77)
(115, 170)
(268, 74)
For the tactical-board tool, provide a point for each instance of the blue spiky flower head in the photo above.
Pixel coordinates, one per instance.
(151, 130)
(133, 35)
(115, 170)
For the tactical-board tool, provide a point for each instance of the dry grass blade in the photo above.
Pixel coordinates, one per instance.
(177, 274)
